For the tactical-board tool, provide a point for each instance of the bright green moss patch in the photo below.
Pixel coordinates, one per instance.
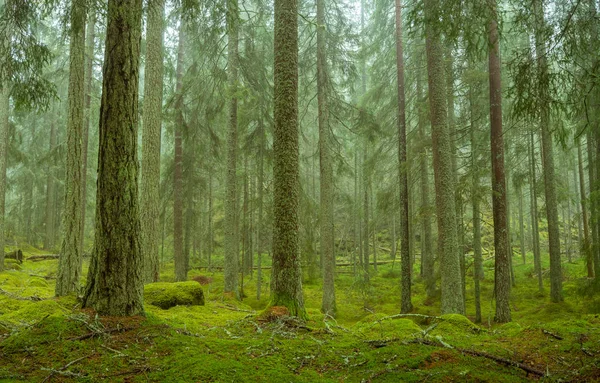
(167, 295)
(379, 326)
(510, 329)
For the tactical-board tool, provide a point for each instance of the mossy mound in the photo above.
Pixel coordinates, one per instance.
(167, 295)
(454, 325)
(30, 312)
(380, 326)
(510, 329)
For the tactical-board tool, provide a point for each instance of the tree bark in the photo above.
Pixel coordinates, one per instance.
(502, 259)
(286, 283)
(69, 265)
(475, 200)
(115, 281)
(89, 67)
(231, 195)
(451, 281)
(548, 156)
(584, 212)
(406, 302)
(151, 139)
(178, 253)
(50, 191)
(534, 214)
(328, 305)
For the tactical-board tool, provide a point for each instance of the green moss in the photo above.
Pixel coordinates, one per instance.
(167, 295)
(510, 329)
(30, 311)
(380, 326)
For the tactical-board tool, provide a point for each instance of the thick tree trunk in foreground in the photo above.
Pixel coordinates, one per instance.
(451, 283)
(502, 259)
(69, 265)
(151, 137)
(231, 246)
(406, 303)
(286, 283)
(115, 281)
(548, 157)
(178, 253)
(328, 305)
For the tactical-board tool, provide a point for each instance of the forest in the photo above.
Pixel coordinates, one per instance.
(299, 190)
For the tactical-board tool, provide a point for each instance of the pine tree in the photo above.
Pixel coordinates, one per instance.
(286, 281)
(69, 266)
(451, 283)
(231, 247)
(502, 260)
(115, 280)
(403, 168)
(151, 137)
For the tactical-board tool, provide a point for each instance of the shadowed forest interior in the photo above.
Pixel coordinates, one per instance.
(299, 191)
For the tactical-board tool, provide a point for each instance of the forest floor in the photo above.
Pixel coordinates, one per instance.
(44, 339)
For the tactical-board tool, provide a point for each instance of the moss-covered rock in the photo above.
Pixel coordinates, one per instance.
(29, 311)
(167, 295)
(454, 325)
(510, 329)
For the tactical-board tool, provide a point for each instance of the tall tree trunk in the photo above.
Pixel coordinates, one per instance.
(406, 303)
(593, 202)
(210, 222)
(178, 251)
(502, 259)
(475, 200)
(4, 110)
(151, 139)
(259, 229)
(286, 283)
(548, 155)
(50, 191)
(534, 214)
(427, 258)
(89, 67)
(451, 283)
(115, 284)
(328, 305)
(69, 266)
(231, 195)
(584, 211)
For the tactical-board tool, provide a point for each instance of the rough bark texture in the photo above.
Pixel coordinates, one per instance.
(89, 67)
(231, 198)
(521, 226)
(4, 110)
(178, 253)
(286, 283)
(427, 258)
(151, 136)
(406, 303)
(502, 260)
(548, 157)
(451, 281)
(328, 305)
(259, 230)
(69, 265)
(115, 282)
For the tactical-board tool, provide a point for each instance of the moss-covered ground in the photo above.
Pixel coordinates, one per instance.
(47, 339)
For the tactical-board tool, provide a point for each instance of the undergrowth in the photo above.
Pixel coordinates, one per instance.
(43, 338)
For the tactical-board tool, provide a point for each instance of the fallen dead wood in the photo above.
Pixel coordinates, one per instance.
(552, 334)
(482, 354)
(42, 257)
(63, 370)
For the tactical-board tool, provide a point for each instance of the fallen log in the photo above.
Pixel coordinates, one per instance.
(43, 257)
(17, 254)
